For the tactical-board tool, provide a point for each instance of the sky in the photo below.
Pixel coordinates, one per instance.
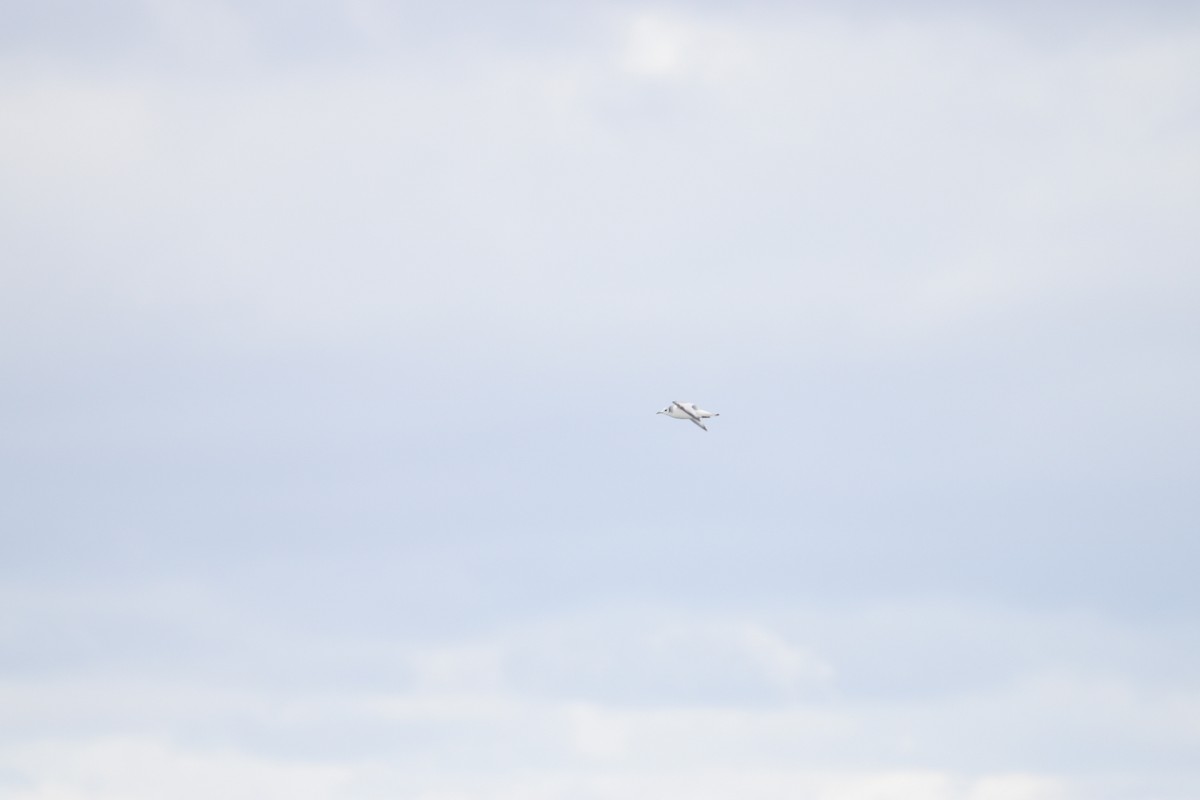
(332, 333)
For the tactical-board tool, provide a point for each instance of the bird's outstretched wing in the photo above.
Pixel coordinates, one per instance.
(699, 413)
(689, 410)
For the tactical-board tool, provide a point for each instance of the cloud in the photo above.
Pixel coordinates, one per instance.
(67, 131)
(111, 767)
(324, 335)
(359, 199)
(137, 769)
(648, 690)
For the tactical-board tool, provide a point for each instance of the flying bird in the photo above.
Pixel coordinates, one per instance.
(678, 410)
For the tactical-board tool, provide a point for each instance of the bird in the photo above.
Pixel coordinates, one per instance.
(678, 410)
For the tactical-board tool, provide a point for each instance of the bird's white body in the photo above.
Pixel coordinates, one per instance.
(688, 411)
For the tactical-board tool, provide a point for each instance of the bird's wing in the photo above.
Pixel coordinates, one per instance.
(688, 409)
(698, 422)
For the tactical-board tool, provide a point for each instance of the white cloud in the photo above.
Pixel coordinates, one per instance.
(1017, 787)
(676, 47)
(595, 734)
(889, 183)
(490, 215)
(60, 132)
(516, 708)
(140, 769)
(790, 666)
(147, 769)
(458, 668)
(654, 47)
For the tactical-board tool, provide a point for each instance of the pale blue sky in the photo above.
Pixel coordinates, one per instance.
(331, 337)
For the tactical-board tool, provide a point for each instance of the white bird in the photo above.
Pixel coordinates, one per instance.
(678, 410)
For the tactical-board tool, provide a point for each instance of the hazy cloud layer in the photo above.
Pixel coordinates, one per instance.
(331, 337)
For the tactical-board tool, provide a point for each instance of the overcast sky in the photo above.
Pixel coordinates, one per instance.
(332, 333)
